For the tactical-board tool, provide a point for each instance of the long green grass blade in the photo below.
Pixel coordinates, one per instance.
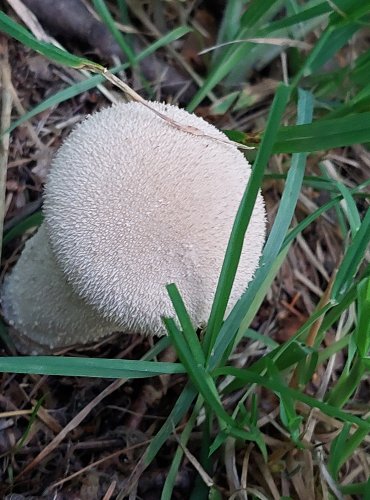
(186, 324)
(242, 219)
(88, 367)
(324, 134)
(13, 29)
(362, 332)
(274, 242)
(103, 11)
(93, 81)
(33, 220)
(169, 484)
(352, 258)
(343, 446)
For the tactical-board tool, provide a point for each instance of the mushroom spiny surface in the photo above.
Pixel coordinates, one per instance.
(132, 204)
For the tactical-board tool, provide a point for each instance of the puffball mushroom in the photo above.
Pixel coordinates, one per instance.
(40, 304)
(132, 203)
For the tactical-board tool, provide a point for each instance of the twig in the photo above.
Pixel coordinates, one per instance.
(6, 109)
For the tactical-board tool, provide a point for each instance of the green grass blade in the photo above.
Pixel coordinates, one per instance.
(351, 210)
(199, 377)
(87, 367)
(33, 220)
(95, 80)
(250, 377)
(178, 412)
(320, 10)
(312, 217)
(255, 11)
(343, 447)
(359, 489)
(242, 219)
(275, 240)
(264, 283)
(348, 383)
(324, 134)
(103, 11)
(336, 450)
(60, 56)
(31, 422)
(169, 484)
(157, 349)
(335, 313)
(186, 324)
(362, 332)
(329, 43)
(352, 259)
(233, 55)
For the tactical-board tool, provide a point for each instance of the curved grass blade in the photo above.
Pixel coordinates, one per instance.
(34, 220)
(324, 134)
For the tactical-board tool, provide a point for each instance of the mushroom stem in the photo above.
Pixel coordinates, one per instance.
(42, 307)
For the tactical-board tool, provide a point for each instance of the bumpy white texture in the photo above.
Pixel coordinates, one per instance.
(132, 204)
(42, 307)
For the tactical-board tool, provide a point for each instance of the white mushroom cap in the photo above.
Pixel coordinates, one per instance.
(132, 204)
(42, 307)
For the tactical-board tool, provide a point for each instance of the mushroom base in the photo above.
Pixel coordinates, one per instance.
(41, 307)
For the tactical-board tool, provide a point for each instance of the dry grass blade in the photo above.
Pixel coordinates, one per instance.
(92, 465)
(31, 21)
(323, 301)
(282, 42)
(6, 109)
(196, 464)
(137, 98)
(267, 476)
(47, 419)
(21, 111)
(312, 334)
(231, 469)
(244, 475)
(110, 490)
(327, 477)
(72, 425)
(15, 413)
